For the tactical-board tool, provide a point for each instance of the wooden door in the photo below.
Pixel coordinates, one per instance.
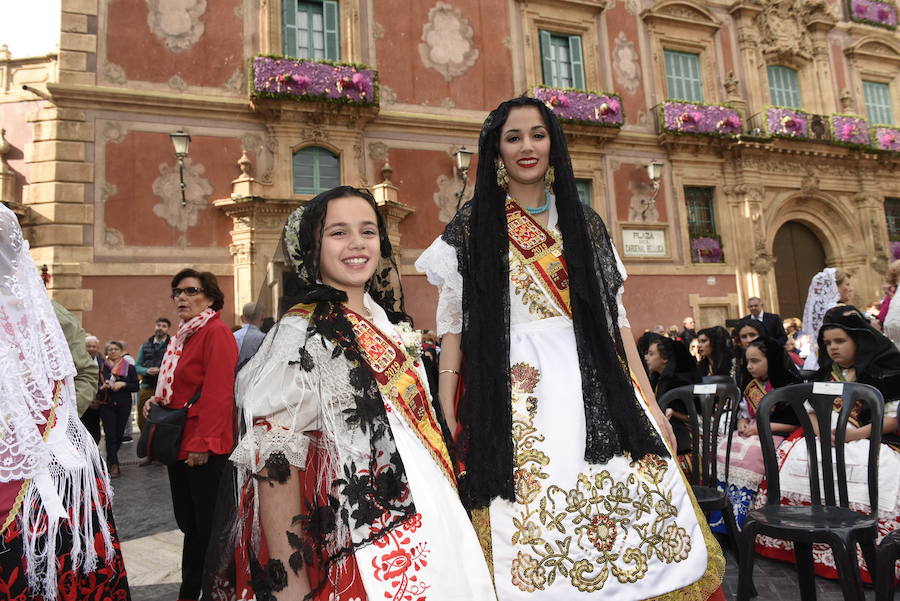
(799, 256)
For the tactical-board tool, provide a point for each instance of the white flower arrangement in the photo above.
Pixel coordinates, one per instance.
(412, 339)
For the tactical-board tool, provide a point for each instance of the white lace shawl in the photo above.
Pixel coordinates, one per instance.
(61, 468)
(439, 263)
(823, 294)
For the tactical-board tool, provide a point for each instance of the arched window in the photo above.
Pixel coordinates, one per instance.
(784, 87)
(315, 170)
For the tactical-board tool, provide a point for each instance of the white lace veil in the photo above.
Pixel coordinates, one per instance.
(823, 294)
(60, 466)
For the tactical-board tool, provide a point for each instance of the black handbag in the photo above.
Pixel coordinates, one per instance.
(161, 437)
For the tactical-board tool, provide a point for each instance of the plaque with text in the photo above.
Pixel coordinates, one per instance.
(644, 243)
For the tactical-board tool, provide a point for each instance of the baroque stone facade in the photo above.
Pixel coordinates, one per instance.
(92, 172)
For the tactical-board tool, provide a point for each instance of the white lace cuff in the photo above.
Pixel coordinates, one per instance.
(265, 440)
(623, 315)
(438, 263)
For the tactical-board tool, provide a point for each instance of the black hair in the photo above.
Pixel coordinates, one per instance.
(164, 320)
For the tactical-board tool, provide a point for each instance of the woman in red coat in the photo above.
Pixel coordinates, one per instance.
(198, 368)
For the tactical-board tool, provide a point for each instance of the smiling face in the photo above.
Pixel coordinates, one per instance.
(757, 363)
(655, 361)
(747, 335)
(525, 145)
(186, 306)
(840, 346)
(350, 244)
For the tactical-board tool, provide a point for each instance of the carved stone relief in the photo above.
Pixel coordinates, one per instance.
(113, 238)
(177, 83)
(108, 190)
(626, 63)
(114, 73)
(783, 27)
(639, 209)
(167, 188)
(176, 23)
(448, 44)
(446, 196)
(378, 151)
(113, 132)
(810, 182)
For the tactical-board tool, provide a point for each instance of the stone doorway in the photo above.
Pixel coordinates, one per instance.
(799, 256)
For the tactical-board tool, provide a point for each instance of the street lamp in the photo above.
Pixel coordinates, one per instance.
(654, 172)
(181, 141)
(463, 160)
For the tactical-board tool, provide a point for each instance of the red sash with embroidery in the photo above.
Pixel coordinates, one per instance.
(535, 247)
(398, 380)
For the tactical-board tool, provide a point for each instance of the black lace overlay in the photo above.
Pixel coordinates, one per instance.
(350, 499)
(616, 424)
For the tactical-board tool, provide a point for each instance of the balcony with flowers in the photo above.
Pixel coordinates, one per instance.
(706, 248)
(790, 123)
(850, 130)
(873, 12)
(694, 118)
(583, 112)
(286, 78)
(885, 138)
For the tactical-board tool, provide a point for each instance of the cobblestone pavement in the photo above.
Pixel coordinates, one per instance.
(151, 544)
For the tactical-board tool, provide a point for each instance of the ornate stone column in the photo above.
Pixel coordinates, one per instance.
(258, 223)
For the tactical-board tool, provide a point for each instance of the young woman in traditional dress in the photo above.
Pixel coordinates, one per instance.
(670, 365)
(716, 355)
(766, 367)
(850, 350)
(563, 458)
(344, 488)
(57, 537)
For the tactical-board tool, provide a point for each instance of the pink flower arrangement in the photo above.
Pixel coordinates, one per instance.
(706, 249)
(874, 12)
(584, 107)
(275, 77)
(886, 138)
(789, 123)
(692, 118)
(850, 130)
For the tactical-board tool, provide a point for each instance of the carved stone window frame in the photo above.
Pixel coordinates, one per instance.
(322, 144)
(350, 29)
(806, 79)
(567, 17)
(668, 25)
(875, 58)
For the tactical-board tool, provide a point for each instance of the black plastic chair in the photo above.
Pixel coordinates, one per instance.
(807, 374)
(887, 555)
(717, 380)
(704, 442)
(831, 522)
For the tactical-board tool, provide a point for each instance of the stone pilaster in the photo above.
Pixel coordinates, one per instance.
(78, 43)
(58, 213)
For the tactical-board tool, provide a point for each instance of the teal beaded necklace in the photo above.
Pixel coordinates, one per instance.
(541, 209)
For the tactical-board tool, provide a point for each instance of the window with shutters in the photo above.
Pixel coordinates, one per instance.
(892, 215)
(311, 29)
(706, 244)
(562, 63)
(683, 80)
(878, 102)
(584, 190)
(784, 86)
(315, 170)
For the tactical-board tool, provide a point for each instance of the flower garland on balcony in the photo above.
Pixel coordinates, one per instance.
(706, 248)
(679, 117)
(886, 138)
(581, 106)
(302, 79)
(787, 122)
(873, 12)
(850, 130)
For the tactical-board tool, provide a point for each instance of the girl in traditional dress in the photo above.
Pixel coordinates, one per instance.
(57, 537)
(563, 459)
(344, 488)
(716, 358)
(828, 288)
(850, 350)
(767, 370)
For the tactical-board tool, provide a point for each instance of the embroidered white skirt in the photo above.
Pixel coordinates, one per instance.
(626, 530)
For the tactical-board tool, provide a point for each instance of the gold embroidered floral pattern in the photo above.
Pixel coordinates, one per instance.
(601, 527)
(530, 292)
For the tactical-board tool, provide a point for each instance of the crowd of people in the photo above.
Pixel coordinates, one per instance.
(335, 453)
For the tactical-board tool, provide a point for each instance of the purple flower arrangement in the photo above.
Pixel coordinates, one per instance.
(692, 118)
(850, 130)
(301, 79)
(873, 12)
(787, 123)
(886, 138)
(895, 250)
(582, 107)
(706, 249)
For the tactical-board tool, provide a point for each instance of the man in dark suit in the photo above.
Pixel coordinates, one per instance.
(771, 322)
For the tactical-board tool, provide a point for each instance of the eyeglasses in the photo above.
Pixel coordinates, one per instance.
(189, 291)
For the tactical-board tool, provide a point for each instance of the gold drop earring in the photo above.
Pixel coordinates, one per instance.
(502, 175)
(549, 178)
